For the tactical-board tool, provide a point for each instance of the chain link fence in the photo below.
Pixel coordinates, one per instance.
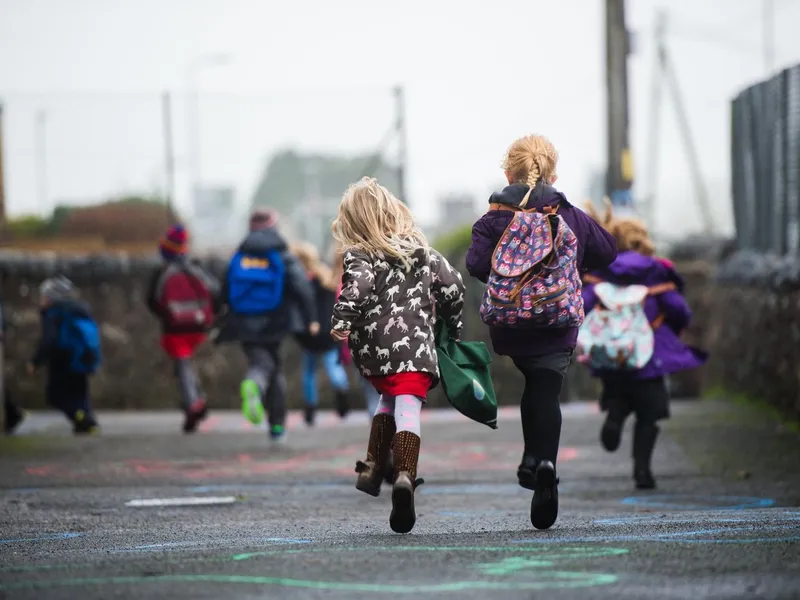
(765, 164)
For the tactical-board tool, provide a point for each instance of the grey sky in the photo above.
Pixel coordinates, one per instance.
(318, 75)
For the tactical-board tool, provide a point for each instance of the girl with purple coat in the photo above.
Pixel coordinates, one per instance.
(541, 354)
(642, 391)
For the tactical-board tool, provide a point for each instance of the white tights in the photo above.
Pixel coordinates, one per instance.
(406, 410)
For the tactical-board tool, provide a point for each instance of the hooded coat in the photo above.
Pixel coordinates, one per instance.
(270, 328)
(596, 249)
(670, 355)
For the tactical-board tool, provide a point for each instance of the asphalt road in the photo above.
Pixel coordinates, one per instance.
(724, 523)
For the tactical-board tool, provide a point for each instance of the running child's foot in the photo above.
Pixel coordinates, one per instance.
(84, 423)
(196, 413)
(526, 472)
(252, 409)
(310, 413)
(403, 516)
(611, 435)
(342, 404)
(644, 479)
(277, 435)
(13, 419)
(544, 504)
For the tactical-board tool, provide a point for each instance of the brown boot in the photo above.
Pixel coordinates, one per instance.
(405, 453)
(372, 471)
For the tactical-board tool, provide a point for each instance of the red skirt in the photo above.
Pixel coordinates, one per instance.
(413, 384)
(181, 345)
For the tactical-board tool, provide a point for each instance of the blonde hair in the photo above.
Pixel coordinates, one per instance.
(372, 220)
(630, 233)
(309, 257)
(530, 159)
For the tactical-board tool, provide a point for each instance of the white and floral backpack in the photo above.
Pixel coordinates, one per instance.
(617, 335)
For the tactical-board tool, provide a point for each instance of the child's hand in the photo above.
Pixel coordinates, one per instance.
(340, 336)
(30, 368)
(313, 328)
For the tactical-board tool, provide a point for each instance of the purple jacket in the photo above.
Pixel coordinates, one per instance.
(597, 249)
(670, 354)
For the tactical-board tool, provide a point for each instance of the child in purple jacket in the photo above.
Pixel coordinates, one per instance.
(642, 391)
(542, 355)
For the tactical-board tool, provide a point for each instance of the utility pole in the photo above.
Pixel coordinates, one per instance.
(169, 154)
(685, 131)
(649, 212)
(40, 144)
(400, 126)
(619, 177)
(2, 182)
(769, 36)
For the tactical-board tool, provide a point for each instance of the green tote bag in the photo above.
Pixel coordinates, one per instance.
(467, 382)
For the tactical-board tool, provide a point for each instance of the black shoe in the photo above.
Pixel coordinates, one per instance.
(84, 423)
(611, 435)
(526, 472)
(644, 441)
(544, 505)
(196, 413)
(309, 414)
(644, 479)
(14, 418)
(342, 404)
(403, 516)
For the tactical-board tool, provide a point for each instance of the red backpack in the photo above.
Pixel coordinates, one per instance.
(185, 298)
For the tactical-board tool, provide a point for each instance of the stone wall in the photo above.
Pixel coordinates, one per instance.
(754, 330)
(135, 372)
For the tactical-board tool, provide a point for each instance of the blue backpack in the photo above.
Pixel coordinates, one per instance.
(79, 336)
(256, 283)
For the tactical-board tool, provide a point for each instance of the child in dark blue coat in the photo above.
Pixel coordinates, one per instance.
(67, 388)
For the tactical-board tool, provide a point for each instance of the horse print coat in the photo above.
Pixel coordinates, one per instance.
(390, 311)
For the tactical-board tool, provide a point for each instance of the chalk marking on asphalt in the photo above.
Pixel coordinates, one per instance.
(683, 537)
(514, 573)
(207, 542)
(668, 519)
(43, 538)
(191, 501)
(683, 502)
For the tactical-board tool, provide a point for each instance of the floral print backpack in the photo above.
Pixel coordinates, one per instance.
(535, 280)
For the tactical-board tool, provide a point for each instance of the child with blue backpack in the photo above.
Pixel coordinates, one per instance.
(635, 314)
(70, 349)
(530, 248)
(262, 284)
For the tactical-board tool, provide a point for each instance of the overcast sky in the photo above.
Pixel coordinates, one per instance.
(318, 75)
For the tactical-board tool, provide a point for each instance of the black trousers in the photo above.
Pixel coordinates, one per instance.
(540, 408)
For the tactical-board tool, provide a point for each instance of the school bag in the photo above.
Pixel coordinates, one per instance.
(465, 376)
(185, 298)
(79, 337)
(535, 280)
(617, 334)
(256, 282)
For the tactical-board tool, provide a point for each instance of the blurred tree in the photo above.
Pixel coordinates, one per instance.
(127, 219)
(28, 226)
(290, 177)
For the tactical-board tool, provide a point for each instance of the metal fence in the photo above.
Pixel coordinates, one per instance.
(765, 164)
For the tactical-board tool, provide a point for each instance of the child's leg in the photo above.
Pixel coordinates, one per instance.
(652, 405)
(616, 402)
(405, 456)
(337, 375)
(371, 471)
(541, 427)
(188, 383)
(260, 366)
(275, 400)
(310, 379)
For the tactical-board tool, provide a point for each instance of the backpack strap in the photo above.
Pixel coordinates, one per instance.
(654, 290)
(547, 210)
